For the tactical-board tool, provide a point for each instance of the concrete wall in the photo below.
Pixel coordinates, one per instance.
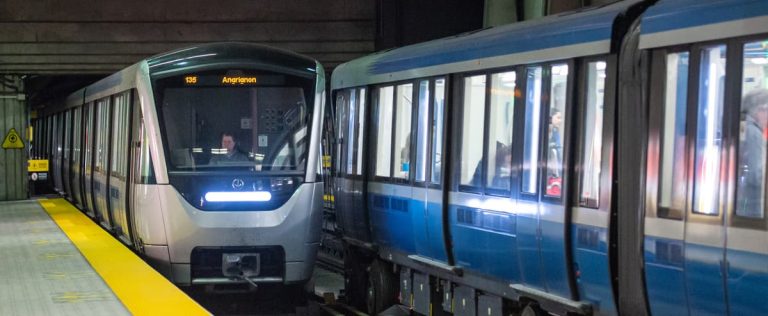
(85, 36)
(13, 162)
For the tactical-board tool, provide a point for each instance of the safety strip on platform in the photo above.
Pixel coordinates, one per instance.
(140, 288)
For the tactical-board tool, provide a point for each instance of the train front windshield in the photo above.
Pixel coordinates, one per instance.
(235, 121)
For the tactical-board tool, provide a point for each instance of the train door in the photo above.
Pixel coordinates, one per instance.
(704, 231)
(482, 213)
(351, 111)
(101, 163)
(747, 230)
(542, 224)
(667, 184)
(118, 166)
(427, 196)
(590, 232)
(67, 155)
(88, 143)
(56, 154)
(75, 178)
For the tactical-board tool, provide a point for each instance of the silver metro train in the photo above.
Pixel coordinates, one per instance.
(205, 160)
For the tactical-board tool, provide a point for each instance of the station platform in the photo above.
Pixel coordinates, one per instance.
(56, 261)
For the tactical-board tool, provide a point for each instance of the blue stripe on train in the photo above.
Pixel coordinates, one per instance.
(583, 27)
(747, 282)
(485, 242)
(677, 14)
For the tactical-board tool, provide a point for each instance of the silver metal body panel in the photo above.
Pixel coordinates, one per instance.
(295, 226)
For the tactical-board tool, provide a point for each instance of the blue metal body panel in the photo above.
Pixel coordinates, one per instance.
(528, 251)
(706, 293)
(391, 222)
(590, 256)
(554, 263)
(669, 15)
(484, 242)
(747, 282)
(665, 277)
(435, 233)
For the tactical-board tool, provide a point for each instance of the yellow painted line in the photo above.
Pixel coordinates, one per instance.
(141, 289)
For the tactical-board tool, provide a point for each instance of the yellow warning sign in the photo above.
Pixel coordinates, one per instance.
(13, 140)
(37, 165)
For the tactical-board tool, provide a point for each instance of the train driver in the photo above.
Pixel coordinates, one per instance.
(752, 152)
(232, 154)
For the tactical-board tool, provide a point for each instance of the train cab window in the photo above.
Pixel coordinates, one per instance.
(556, 129)
(102, 133)
(591, 154)
(360, 124)
(750, 192)
(421, 134)
(437, 131)
(384, 131)
(530, 170)
(500, 120)
(258, 125)
(672, 174)
(709, 130)
(402, 154)
(472, 131)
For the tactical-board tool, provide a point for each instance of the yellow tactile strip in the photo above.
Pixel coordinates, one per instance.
(139, 287)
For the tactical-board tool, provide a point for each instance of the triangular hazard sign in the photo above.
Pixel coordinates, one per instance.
(13, 140)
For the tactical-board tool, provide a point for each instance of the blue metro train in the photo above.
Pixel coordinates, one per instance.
(601, 162)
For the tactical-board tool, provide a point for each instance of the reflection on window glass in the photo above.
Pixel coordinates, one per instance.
(532, 117)
(556, 129)
(472, 131)
(423, 127)
(593, 135)
(360, 124)
(709, 130)
(103, 132)
(403, 131)
(437, 130)
(350, 141)
(672, 183)
(750, 200)
(500, 120)
(342, 100)
(384, 131)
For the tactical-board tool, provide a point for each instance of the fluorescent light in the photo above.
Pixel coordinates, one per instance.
(257, 196)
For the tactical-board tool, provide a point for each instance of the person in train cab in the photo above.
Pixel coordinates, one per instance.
(233, 152)
(555, 153)
(752, 150)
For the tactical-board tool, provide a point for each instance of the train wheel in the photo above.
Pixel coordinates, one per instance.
(533, 309)
(355, 279)
(382, 290)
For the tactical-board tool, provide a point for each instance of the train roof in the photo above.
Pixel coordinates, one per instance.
(232, 53)
(585, 32)
(674, 22)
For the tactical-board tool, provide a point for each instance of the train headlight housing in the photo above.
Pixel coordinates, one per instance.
(251, 196)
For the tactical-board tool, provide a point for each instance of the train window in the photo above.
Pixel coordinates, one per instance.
(384, 131)
(709, 130)
(360, 135)
(500, 118)
(672, 181)
(437, 130)
(351, 118)
(556, 129)
(593, 135)
(531, 139)
(750, 198)
(472, 131)
(120, 131)
(403, 131)
(102, 133)
(422, 129)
